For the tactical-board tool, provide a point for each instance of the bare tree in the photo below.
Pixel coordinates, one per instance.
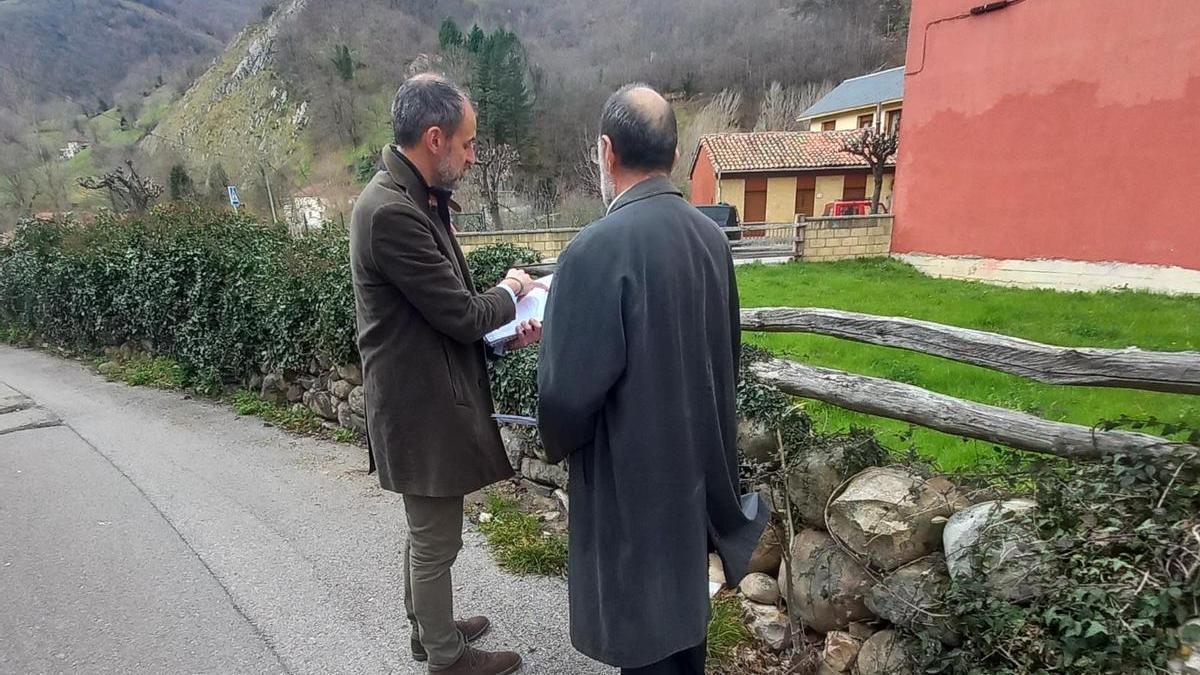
(721, 114)
(876, 146)
(494, 166)
(127, 191)
(781, 106)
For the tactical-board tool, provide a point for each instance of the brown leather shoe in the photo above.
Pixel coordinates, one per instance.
(476, 662)
(472, 629)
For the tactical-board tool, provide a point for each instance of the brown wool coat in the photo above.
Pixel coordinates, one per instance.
(420, 329)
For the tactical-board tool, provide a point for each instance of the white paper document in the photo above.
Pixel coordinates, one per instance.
(518, 420)
(532, 306)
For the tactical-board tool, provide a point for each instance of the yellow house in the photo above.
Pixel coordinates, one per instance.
(774, 176)
(867, 100)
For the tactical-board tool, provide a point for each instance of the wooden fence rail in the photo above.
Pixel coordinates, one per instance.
(1177, 372)
(885, 398)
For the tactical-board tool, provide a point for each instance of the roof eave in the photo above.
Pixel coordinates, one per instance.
(805, 117)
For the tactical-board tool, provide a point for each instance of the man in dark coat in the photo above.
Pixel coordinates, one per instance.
(420, 329)
(636, 380)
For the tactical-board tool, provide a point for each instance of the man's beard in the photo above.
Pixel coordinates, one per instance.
(608, 188)
(447, 177)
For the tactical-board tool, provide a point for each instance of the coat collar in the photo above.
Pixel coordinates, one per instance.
(406, 177)
(651, 187)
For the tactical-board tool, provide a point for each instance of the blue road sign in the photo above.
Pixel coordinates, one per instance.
(233, 197)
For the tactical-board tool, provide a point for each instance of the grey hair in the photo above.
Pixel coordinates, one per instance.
(424, 101)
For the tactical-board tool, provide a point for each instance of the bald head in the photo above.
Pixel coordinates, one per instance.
(640, 124)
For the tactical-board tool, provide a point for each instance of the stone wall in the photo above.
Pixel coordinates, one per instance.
(332, 392)
(843, 237)
(548, 242)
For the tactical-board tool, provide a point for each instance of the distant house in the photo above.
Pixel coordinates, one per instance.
(774, 176)
(305, 211)
(867, 100)
(72, 148)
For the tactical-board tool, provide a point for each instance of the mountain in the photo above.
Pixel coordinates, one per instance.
(97, 50)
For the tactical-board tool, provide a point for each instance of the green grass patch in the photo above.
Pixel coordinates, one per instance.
(726, 630)
(885, 287)
(142, 370)
(294, 417)
(518, 541)
(344, 435)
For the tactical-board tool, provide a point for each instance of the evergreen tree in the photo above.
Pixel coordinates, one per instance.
(344, 62)
(505, 101)
(476, 39)
(449, 35)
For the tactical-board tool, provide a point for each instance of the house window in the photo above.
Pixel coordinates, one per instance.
(755, 210)
(806, 195)
(828, 125)
(865, 121)
(893, 121)
(855, 187)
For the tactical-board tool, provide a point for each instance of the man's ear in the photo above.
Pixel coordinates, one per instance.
(434, 139)
(608, 155)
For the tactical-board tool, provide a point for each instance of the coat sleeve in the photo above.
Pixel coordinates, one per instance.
(406, 254)
(582, 348)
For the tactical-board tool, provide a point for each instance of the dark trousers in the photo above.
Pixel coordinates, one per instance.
(686, 662)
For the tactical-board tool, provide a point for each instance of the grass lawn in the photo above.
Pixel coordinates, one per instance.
(887, 287)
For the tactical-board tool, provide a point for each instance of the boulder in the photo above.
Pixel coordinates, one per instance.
(756, 441)
(547, 474)
(911, 597)
(254, 382)
(861, 630)
(322, 382)
(840, 651)
(818, 473)
(351, 372)
(827, 585)
(272, 382)
(107, 368)
(768, 624)
(295, 392)
(760, 588)
(885, 653)
(769, 552)
(514, 445)
(716, 570)
(357, 401)
(892, 516)
(342, 389)
(322, 403)
(273, 389)
(1006, 557)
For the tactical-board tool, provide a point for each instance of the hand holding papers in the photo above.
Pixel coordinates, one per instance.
(532, 307)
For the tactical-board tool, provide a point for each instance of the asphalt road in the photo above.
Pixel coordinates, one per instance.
(145, 532)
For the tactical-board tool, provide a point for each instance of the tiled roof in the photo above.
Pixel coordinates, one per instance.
(779, 151)
(859, 92)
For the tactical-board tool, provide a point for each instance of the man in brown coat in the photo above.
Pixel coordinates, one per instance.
(420, 329)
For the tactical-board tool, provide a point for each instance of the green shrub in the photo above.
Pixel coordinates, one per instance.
(219, 293)
(1120, 571)
(489, 264)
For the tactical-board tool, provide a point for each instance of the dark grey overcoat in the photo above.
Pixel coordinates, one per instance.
(420, 329)
(637, 374)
